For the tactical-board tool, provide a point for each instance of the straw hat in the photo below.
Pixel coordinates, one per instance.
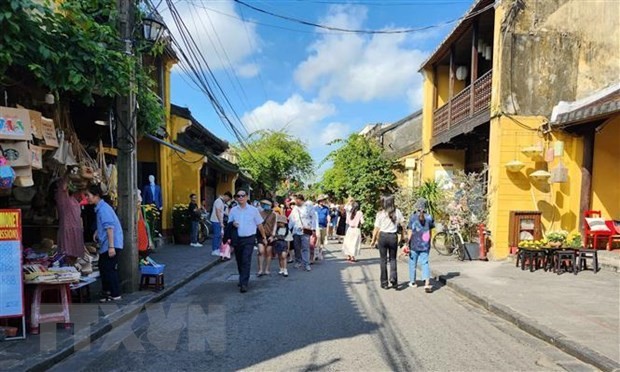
(265, 201)
(322, 197)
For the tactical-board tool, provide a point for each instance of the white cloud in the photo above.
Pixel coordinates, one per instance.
(295, 115)
(360, 68)
(334, 131)
(220, 36)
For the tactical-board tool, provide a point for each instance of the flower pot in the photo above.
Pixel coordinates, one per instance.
(555, 244)
(181, 238)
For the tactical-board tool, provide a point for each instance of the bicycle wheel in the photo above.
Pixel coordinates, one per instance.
(203, 233)
(443, 244)
(460, 248)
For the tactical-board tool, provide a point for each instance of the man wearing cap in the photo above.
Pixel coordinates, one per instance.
(265, 249)
(322, 211)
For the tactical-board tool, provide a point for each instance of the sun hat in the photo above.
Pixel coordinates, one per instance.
(265, 201)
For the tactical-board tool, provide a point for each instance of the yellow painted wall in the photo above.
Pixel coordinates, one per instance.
(508, 191)
(443, 85)
(185, 175)
(446, 160)
(605, 172)
(148, 151)
(226, 184)
(409, 176)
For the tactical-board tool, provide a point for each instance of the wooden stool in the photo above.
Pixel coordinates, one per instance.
(588, 254)
(37, 318)
(562, 257)
(145, 281)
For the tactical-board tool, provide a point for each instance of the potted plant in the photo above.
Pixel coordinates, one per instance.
(556, 238)
(574, 241)
(181, 224)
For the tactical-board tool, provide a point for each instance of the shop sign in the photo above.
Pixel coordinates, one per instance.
(15, 124)
(49, 132)
(11, 277)
(17, 153)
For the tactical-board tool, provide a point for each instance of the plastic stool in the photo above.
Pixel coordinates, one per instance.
(145, 281)
(37, 318)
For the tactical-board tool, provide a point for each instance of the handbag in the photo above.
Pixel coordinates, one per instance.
(225, 250)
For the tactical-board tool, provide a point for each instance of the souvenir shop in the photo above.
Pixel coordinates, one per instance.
(47, 252)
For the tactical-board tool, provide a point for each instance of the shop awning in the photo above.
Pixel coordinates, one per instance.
(167, 144)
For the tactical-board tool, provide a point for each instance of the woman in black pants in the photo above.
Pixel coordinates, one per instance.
(386, 231)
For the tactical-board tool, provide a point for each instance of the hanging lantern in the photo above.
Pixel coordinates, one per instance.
(461, 73)
(540, 175)
(532, 151)
(514, 166)
(558, 148)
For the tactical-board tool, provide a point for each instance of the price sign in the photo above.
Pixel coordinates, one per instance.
(11, 277)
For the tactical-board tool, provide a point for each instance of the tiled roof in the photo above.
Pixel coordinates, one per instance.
(458, 30)
(598, 109)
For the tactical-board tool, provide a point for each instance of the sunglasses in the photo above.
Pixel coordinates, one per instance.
(240, 196)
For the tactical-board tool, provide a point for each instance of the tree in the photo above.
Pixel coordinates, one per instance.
(360, 170)
(273, 157)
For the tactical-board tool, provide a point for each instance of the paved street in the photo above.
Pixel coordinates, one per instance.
(333, 318)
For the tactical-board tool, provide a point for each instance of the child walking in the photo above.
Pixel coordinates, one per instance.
(280, 245)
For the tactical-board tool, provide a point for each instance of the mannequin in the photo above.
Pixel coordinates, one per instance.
(151, 193)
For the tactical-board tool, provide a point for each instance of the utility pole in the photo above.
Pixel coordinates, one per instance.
(126, 135)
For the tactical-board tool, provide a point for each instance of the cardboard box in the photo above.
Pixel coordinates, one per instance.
(17, 154)
(15, 124)
(48, 130)
(37, 156)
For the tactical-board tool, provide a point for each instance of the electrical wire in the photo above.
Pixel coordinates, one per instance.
(360, 31)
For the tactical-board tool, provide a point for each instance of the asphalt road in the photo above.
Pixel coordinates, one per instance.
(335, 317)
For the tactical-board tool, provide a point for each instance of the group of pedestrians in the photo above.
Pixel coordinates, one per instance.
(297, 231)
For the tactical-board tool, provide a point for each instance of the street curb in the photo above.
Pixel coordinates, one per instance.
(107, 323)
(532, 327)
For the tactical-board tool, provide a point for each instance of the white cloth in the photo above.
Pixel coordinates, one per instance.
(248, 218)
(352, 243)
(218, 204)
(301, 218)
(385, 224)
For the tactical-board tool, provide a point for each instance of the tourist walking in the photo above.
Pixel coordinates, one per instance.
(218, 213)
(341, 228)
(265, 252)
(322, 211)
(420, 226)
(303, 224)
(247, 220)
(353, 237)
(280, 245)
(109, 236)
(385, 235)
(333, 222)
(194, 216)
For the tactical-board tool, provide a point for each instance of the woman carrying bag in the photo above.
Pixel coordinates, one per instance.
(420, 226)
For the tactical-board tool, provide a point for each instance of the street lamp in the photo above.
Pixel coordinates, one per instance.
(153, 27)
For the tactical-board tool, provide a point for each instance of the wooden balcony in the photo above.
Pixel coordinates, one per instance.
(465, 111)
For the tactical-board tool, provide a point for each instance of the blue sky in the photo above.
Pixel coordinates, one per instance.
(320, 85)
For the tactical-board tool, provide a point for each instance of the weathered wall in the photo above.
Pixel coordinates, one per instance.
(605, 172)
(556, 50)
(185, 178)
(442, 160)
(443, 85)
(508, 191)
(404, 138)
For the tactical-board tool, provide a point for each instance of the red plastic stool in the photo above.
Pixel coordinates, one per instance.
(36, 318)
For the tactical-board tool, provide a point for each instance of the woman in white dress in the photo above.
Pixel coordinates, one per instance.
(353, 238)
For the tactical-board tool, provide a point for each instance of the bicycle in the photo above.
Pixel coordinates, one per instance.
(204, 228)
(450, 243)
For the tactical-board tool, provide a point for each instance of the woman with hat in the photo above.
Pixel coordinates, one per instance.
(265, 251)
(420, 226)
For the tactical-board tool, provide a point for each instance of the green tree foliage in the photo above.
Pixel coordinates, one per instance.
(272, 157)
(72, 48)
(360, 170)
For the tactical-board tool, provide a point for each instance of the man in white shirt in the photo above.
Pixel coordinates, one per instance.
(303, 222)
(246, 219)
(217, 221)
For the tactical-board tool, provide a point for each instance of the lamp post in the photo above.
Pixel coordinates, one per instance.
(126, 137)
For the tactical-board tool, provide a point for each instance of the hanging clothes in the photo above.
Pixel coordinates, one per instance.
(70, 229)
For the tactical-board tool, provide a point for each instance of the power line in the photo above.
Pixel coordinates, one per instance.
(360, 31)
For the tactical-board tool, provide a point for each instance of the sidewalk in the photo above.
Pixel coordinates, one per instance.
(579, 314)
(183, 263)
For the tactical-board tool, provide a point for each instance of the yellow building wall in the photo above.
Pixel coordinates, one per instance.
(605, 172)
(514, 191)
(443, 85)
(226, 183)
(442, 160)
(409, 176)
